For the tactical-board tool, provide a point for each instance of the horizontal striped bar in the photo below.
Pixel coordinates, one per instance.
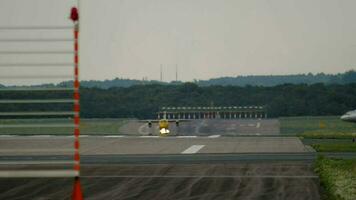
(36, 52)
(36, 64)
(31, 101)
(22, 151)
(38, 77)
(11, 89)
(44, 162)
(38, 126)
(36, 113)
(38, 173)
(205, 176)
(36, 27)
(38, 40)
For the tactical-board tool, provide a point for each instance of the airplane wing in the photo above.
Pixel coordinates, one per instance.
(178, 120)
(149, 120)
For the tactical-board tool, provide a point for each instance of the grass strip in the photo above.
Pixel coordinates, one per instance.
(346, 147)
(337, 177)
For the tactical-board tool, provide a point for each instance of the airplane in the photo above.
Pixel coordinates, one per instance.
(163, 124)
(349, 117)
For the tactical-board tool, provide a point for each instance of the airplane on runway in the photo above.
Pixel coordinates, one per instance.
(349, 117)
(163, 124)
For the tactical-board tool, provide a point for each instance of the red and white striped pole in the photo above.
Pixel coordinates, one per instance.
(75, 17)
(77, 193)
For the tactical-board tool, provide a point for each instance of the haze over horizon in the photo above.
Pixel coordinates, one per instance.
(205, 38)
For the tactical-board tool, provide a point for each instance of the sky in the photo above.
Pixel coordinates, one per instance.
(203, 38)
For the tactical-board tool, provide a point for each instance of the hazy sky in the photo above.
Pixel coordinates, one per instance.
(205, 38)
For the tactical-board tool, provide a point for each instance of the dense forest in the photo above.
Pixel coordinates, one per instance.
(142, 101)
(272, 80)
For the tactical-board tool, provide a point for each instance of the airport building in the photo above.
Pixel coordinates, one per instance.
(201, 112)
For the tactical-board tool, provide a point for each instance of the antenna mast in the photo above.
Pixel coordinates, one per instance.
(161, 73)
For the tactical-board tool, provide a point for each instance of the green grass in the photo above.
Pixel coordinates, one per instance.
(318, 127)
(337, 177)
(326, 134)
(87, 126)
(348, 147)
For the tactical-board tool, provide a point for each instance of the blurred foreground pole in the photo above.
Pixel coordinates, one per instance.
(77, 191)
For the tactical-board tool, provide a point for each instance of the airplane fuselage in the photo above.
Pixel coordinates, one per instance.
(349, 116)
(163, 125)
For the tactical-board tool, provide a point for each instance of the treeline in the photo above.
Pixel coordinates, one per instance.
(272, 80)
(143, 101)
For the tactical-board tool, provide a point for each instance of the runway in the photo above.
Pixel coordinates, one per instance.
(24, 145)
(199, 164)
(231, 127)
(287, 180)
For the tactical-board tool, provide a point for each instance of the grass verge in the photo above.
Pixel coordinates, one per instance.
(317, 127)
(337, 177)
(346, 147)
(323, 134)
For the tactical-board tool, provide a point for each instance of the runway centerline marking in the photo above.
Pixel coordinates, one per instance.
(214, 136)
(193, 149)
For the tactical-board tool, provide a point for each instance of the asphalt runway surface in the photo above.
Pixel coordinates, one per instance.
(231, 127)
(98, 145)
(198, 162)
(287, 180)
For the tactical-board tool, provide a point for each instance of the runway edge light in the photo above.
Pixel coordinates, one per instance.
(77, 193)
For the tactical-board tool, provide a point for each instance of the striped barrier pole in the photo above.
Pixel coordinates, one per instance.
(77, 192)
(76, 98)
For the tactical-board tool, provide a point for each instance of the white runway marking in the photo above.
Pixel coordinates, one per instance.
(114, 136)
(29, 162)
(8, 135)
(41, 136)
(83, 135)
(187, 136)
(214, 136)
(258, 125)
(37, 173)
(35, 150)
(149, 136)
(140, 129)
(193, 149)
